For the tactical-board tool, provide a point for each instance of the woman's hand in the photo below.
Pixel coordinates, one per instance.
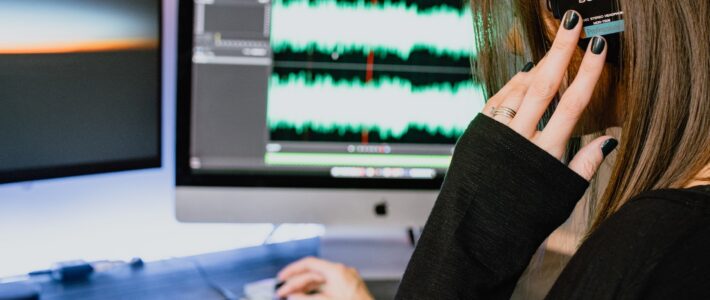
(317, 279)
(528, 95)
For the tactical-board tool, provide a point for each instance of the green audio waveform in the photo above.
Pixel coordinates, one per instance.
(390, 106)
(382, 133)
(383, 84)
(379, 50)
(331, 26)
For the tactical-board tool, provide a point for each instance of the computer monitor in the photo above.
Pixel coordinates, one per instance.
(80, 87)
(342, 112)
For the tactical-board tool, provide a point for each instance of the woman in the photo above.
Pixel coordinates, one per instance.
(506, 189)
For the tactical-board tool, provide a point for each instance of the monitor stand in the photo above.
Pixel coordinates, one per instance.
(380, 255)
(376, 252)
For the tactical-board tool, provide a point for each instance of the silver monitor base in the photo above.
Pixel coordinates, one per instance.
(378, 254)
(353, 207)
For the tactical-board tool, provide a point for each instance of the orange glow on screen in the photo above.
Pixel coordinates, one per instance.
(79, 47)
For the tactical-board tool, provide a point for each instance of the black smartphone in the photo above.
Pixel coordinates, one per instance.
(600, 17)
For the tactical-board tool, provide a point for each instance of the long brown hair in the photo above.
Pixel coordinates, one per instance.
(663, 94)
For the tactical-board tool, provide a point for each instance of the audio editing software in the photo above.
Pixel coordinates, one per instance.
(348, 87)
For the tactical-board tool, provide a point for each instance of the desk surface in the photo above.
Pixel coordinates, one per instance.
(180, 278)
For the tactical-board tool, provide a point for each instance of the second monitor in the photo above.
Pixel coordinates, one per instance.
(326, 111)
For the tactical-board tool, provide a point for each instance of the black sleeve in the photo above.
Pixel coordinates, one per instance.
(501, 198)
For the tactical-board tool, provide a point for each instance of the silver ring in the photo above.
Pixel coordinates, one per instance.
(505, 111)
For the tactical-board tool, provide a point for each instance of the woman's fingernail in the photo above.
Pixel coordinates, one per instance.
(528, 67)
(598, 45)
(609, 146)
(570, 20)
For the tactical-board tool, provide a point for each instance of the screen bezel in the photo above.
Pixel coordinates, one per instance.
(33, 174)
(184, 174)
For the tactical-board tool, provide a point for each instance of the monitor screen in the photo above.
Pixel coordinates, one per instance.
(79, 87)
(323, 93)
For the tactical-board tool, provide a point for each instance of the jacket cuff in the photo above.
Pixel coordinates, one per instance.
(518, 193)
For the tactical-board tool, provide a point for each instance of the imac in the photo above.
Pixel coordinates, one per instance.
(339, 112)
(80, 87)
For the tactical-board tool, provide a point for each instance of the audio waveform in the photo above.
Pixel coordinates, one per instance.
(358, 73)
(382, 55)
(402, 52)
(387, 110)
(417, 80)
(412, 134)
(397, 27)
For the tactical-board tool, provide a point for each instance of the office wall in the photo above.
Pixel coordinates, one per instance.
(110, 216)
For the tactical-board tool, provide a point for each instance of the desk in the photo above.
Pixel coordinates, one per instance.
(180, 278)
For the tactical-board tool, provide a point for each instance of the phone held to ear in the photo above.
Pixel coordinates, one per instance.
(600, 17)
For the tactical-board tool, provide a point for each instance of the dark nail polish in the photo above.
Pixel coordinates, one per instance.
(279, 285)
(598, 45)
(528, 67)
(609, 146)
(570, 20)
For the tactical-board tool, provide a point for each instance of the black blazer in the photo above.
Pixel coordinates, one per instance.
(503, 196)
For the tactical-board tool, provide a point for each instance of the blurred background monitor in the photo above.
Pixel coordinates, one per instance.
(320, 111)
(79, 87)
